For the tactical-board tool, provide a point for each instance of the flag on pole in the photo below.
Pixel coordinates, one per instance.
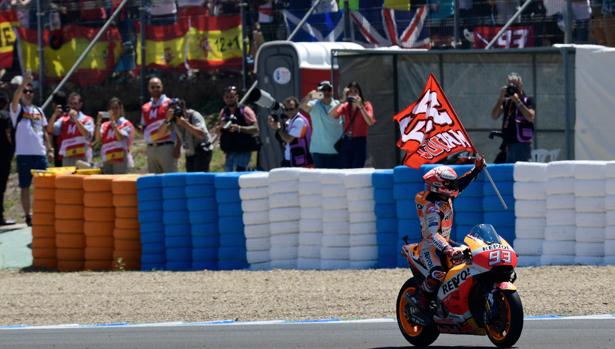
(7, 38)
(430, 129)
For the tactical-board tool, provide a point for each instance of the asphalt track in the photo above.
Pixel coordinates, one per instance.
(566, 333)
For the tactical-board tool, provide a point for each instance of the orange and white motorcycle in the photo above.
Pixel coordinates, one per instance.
(477, 296)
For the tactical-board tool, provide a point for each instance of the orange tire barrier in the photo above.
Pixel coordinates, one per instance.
(45, 263)
(126, 234)
(69, 196)
(99, 241)
(43, 231)
(69, 265)
(127, 245)
(125, 185)
(98, 229)
(98, 183)
(69, 226)
(125, 200)
(69, 212)
(127, 223)
(49, 253)
(97, 265)
(99, 254)
(127, 212)
(42, 219)
(43, 206)
(44, 182)
(69, 181)
(44, 243)
(99, 214)
(43, 194)
(98, 199)
(70, 241)
(70, 254)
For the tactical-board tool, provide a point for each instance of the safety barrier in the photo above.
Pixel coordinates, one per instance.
(558, 213)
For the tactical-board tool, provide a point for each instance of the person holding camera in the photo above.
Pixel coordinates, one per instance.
(358, 116)
(518, 121)
(115, 133)
(191, 130)
(326, 130)
(238, 131)
(294, 130)
(73, 129)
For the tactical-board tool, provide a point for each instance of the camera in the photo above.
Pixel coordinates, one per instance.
(176, 106)
(511, 89)
(351, 99)
(231, 120)
(60, 99)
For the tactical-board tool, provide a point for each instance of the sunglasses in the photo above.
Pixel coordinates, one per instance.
(28, 91)
(289, 109)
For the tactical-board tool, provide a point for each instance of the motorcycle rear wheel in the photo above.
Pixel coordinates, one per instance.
(504, 330)
(420, 336)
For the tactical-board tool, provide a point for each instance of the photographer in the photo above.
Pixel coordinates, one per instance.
(294, 130)
(191, 129)
(237, 130)
(518, 121)
(116, 135)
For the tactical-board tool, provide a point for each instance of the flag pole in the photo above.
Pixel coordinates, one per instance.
(497, 192)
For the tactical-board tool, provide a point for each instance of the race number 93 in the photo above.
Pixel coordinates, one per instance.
(499, 256)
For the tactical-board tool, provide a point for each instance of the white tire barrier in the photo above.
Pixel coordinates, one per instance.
(312, 200)
(609, 232)
(558, 248)
(337, 215)
(280, 200)
(609, 202)
(589, 249)
(589, 169)
(529, 191)
(309, 239)
(362, 217)
(310, 226)
(588, 260)
(530, 172)
(283, 228)
(285, 214)
(586, 234)
(560, 186)
(560, 233)
(609, 248)
(252, 218)
(610, 186)
(528, 247)
(558, 169)
(561, 217)
(260, 244)
(590, 220)
(253, 193)
(254, 180)
(311, 213)
(528, 261)
(557, 260)
(255, 231)
(361, 206)
(589, 205)
(257, 205)
(589, 187)
(560, 201)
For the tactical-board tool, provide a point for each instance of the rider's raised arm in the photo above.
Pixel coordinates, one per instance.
(468, 177)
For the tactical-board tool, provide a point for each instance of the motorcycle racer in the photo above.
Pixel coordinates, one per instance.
(435, 211)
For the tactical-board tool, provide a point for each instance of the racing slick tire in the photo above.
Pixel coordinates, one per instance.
(504, 334)
(420, 336)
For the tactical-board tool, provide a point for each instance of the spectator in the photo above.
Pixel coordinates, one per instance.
(115, 135)
(518, 121)
(326, 130)
(358, 116)
(237, 129)
(162, 150)
(192, 131)
(294, 130)
(32, 145)
(7, 149)
(74, 129)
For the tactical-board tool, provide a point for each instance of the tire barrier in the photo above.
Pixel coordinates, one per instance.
(254, 195)
(43, 227)
(152, 232)
(98, 223)
(232, 247)
(127, 246)
(203, 218)
(407, 183)
(70, 238)
(363, 242)
(530, 203)
(335, 241)
(176, 218)
(386, 218)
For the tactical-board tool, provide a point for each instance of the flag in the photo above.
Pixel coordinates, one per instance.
(430, 129)
(319, 27)
(7, 38)
(383, 27)
(214, 42)
(516, 36)
(164, 45)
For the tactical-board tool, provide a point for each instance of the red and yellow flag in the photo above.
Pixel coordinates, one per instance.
(215, 42)
(164, 45)
(7, 38)
(430, 129)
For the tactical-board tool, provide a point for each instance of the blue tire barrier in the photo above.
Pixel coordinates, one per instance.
(387, 238)
(152, 181)
(204, 191)
(505, 188)
(152, 238)
(460, 232)
(150, 205)
(468, 204)
(200, 178)
(205, 230)
(175, 217)
(227, 180)
(382, 179)
(231, 254)
(407, 191)
(149, 216)
(179, 254)
(492, 203)
(402, 262)
(502, 218)
(386, 225)
(173, 193)
(202, 204)
(202, 217)
(153, 259)
(234, 239)
(227, 196)
(177, 179)
(230, 225)
(174, 205)
(469, 218)
(406, 209)
(508, 233)
(212, 241)
(384, 196)
(404, 174)
(428, 167)
(384, 211)
(173, 242)
(152, 248)
(205, 254)
(149, 194)
(230, 209)
(204, 265)
(152, 228)
(409, 227)
(179, 266)
(475, 189)
(177, 230)
(232, 265)
(501, 172)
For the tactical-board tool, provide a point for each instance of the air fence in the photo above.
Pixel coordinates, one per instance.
(561, 212)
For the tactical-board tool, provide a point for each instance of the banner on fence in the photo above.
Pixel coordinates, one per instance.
(7, 38)
(519, 36)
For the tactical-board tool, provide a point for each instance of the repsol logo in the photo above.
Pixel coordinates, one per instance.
(455, 281)
(494, 247)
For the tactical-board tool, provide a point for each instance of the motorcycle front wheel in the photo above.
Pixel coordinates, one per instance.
(505, 322)
(420, 336)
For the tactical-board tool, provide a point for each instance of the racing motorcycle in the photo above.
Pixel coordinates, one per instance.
(477, 296)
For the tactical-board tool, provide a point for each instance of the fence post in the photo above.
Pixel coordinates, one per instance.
(40, 49)
(142, 27)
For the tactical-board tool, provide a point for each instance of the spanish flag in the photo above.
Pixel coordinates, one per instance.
(214, 42)
(164, 45)
(7, 38)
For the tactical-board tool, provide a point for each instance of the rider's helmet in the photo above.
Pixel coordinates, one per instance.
(442, 180)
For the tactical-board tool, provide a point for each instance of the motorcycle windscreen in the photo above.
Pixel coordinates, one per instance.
(485, 232)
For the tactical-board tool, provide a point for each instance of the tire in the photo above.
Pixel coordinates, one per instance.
(529, 172)
(382, 179)
(309, 188)
(99, 214)
(127, 212)
(98, 183)
(560, 186)
(560, 201)
(43, 194)
(228, 180)
(283, 200)
(125, 200)
(529, 191)
(253, 193)
(361, 206)
(530, 208)
(254, 180)
(362, 217)
(43, 231)
(98, 199)
(68, 196)
(259, 205)
(610, 186)
(69, 226)
(311, 213)
(334, 191)
(511, 302)
(356, 194)
(70, 181)
(335, 216)
(43, 206)
(589, 188)
(589, 169)
(44, 182)
(151, 181)
(420, 336)
(334, 203)
(70, 241)
(125, 185)
(359, 179)
(558, 169)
